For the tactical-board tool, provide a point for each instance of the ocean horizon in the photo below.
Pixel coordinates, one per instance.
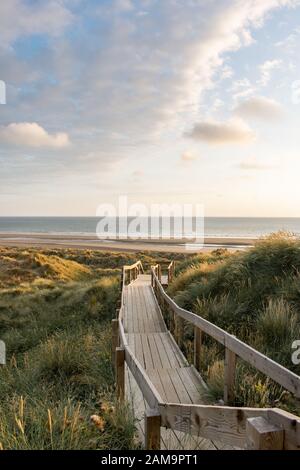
(223, 227)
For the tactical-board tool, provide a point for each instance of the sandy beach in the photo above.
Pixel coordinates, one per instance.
(92, 242)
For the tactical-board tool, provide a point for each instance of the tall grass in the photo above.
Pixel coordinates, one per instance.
(55, 313)
(255, 295)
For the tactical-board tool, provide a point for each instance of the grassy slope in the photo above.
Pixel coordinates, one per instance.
(254, 295)
(55, 312)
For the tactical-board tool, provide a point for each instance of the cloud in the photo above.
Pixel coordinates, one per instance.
(254, 165)
(188, 156)
(259, 107)
(120, 73)
(28, 134)
(234, 131)
(241, 89)
(20, 18)
(296, 92)
(266, 70)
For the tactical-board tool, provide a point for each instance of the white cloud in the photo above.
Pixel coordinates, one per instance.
(234, 131)
(128, 75)
(241, 89)
(28, 134)
(20, 18)
(259, 107)
(296, 92)
(289, 43)
(266, 70)
(226, 72)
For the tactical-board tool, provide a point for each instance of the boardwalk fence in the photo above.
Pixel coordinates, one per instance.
(251, 428)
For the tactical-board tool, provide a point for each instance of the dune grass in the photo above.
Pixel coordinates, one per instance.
(57, 389)
(254, 295)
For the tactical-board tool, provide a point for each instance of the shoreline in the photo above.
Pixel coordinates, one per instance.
(92, 242)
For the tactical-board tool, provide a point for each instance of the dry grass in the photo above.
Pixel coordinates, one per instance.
(254, 295)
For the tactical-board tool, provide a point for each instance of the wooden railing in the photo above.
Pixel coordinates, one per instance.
(252, 428)
(233, 346)
(171, 271)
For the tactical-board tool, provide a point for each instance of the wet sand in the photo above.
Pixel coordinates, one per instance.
(92, 242)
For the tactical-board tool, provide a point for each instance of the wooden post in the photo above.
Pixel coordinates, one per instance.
(152, 430)
(173, 322)
(120, 373)
(263, 435)
(179, 330)
(197, 347)
(115, 339)
(229, 376)
(159, 272)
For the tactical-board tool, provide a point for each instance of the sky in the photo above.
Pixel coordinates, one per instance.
(160, 100)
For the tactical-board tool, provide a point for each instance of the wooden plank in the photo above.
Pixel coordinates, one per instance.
(138, 309)
(272, 369)
(139, 349)
(152, 430)
(162, 351)
(115, 339)
(152, 305)
(167, 359)
(229, 376)
(156, 380)
(170, 391)
(193, 389)
(264, 364)
(120, 373)
(179, 386)
(128, 313)
(150, 314)
(179, 354)
(224, 424)
(147, 352)
(155, 354)
(167, 346)
(150, 393)
(197, 347)
(262, 435)
(143, 309)
(291, 425)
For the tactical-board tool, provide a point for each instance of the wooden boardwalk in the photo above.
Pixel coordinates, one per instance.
(160, 357)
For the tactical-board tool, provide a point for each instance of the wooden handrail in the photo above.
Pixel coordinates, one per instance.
(264, 364)
(231, 425)
(171, 271)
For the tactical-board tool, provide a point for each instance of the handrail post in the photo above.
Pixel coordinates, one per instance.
(120, 373)
(197, 347)
(263, 435)
(159, 272)
(152, 429)
(229, 376)
(179, 330)
(115, 338)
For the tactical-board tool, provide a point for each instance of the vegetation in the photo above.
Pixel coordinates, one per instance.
(57, 390)
(255, 295)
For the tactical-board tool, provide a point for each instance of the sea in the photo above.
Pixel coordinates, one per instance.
(223, 227)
